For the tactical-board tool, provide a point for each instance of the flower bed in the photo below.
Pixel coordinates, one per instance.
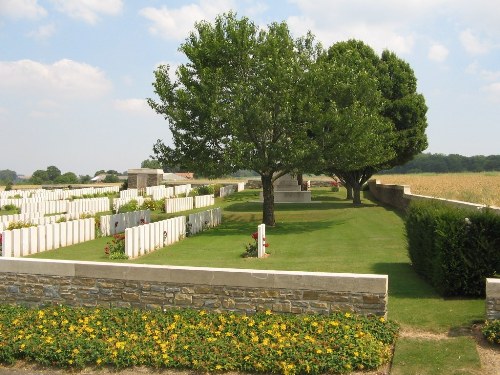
(264, 342)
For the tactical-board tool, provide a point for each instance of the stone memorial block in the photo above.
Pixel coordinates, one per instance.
(140, 178)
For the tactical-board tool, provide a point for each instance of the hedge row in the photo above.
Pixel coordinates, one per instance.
(454, 249)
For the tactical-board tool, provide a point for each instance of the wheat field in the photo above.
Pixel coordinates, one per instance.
(483, 188)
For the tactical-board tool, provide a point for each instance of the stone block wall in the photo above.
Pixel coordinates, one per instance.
(141, 178)
(492, 299)
(36, 282)
(400, 196)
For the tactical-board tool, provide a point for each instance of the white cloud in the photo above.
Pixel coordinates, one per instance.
(438, 52)
(176, 23)
(22, 9)
(43, 32)
(135, 106)
(472, 44)
(61, 79)
(493, 90)
(383, 24)
(89, 10)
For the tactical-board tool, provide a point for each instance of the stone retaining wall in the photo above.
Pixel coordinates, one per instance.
(492, 299)
(36, 282)
(400, 196)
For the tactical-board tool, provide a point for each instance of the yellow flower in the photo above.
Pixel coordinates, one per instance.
(268, 312)
(99, 360)
(319, 351)
(347, 315)
(382, 319)
(23, 346)
(247, 357)
(218, 367)
(329, 350)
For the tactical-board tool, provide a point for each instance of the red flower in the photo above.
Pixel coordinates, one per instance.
(266, 245)
(255, 235)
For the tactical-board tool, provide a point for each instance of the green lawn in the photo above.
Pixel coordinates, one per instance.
(328, 235)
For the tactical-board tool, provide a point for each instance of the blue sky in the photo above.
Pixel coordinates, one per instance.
(74, 74)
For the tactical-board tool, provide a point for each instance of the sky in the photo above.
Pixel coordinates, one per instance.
(75, 74)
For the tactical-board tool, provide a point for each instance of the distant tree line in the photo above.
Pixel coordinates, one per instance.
(440, 163)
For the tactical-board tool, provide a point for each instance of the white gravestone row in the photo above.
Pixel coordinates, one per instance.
(160, 192)
(240, 186)
(26, 241)
(182, 190)
(149, 237)
(129, 193)
(118, 202)
(226, 190)
(204, 200)
(112, 224)
(203, 220)
(178, 204)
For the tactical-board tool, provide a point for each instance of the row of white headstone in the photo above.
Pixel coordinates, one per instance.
(26, 241)
(58, 194)
(37, 219)
(145, 238)
(112, 224)
(201, 221)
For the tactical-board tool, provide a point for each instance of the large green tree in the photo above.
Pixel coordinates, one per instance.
(238, 103)
(369, 114)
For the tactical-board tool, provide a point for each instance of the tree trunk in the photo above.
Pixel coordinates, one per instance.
(300, 180)
(356, 199)
(268, 205)
(348, 188)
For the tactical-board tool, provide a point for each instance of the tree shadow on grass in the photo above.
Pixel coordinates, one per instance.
(237, 227)
(404, 281)
(285, 207)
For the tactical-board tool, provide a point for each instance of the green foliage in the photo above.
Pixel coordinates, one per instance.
(111, 178)
(204, 190)
(153, 164)
(198, 340)
(61, 220)
(454, 249)
(6, 176)
(115, 249)
(133, 205)
(20, 224)
(491, 331)
(238, 103)
(149, 204)
(440, 163)
(67, 178)
(124, 185)
(8, 187)
(160, 205)
(10, 207)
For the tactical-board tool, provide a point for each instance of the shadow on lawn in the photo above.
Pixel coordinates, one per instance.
(284, 207)
(404, 281)
(240, 226)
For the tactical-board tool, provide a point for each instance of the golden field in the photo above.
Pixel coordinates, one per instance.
(483, 188)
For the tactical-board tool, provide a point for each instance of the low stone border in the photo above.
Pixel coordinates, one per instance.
(492, 299)
(39, 281)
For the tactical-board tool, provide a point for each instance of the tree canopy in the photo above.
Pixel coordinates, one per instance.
(238, 103)
(258, 99)
(368, 114)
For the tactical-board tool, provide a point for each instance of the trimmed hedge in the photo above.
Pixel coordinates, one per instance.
(454, 249)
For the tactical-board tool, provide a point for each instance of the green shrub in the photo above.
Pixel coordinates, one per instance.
(491, 331)
(205, 190)
(198, 340)
(149, 204)
(10, 207)
(160, 205)
(454, 249)
(131, 206)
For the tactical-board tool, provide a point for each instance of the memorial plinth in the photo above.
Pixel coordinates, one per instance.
(288, 190)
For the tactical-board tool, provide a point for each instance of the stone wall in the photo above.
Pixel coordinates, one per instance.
(492, 299)
(400, 196)
(36, 282)
(141, 178)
